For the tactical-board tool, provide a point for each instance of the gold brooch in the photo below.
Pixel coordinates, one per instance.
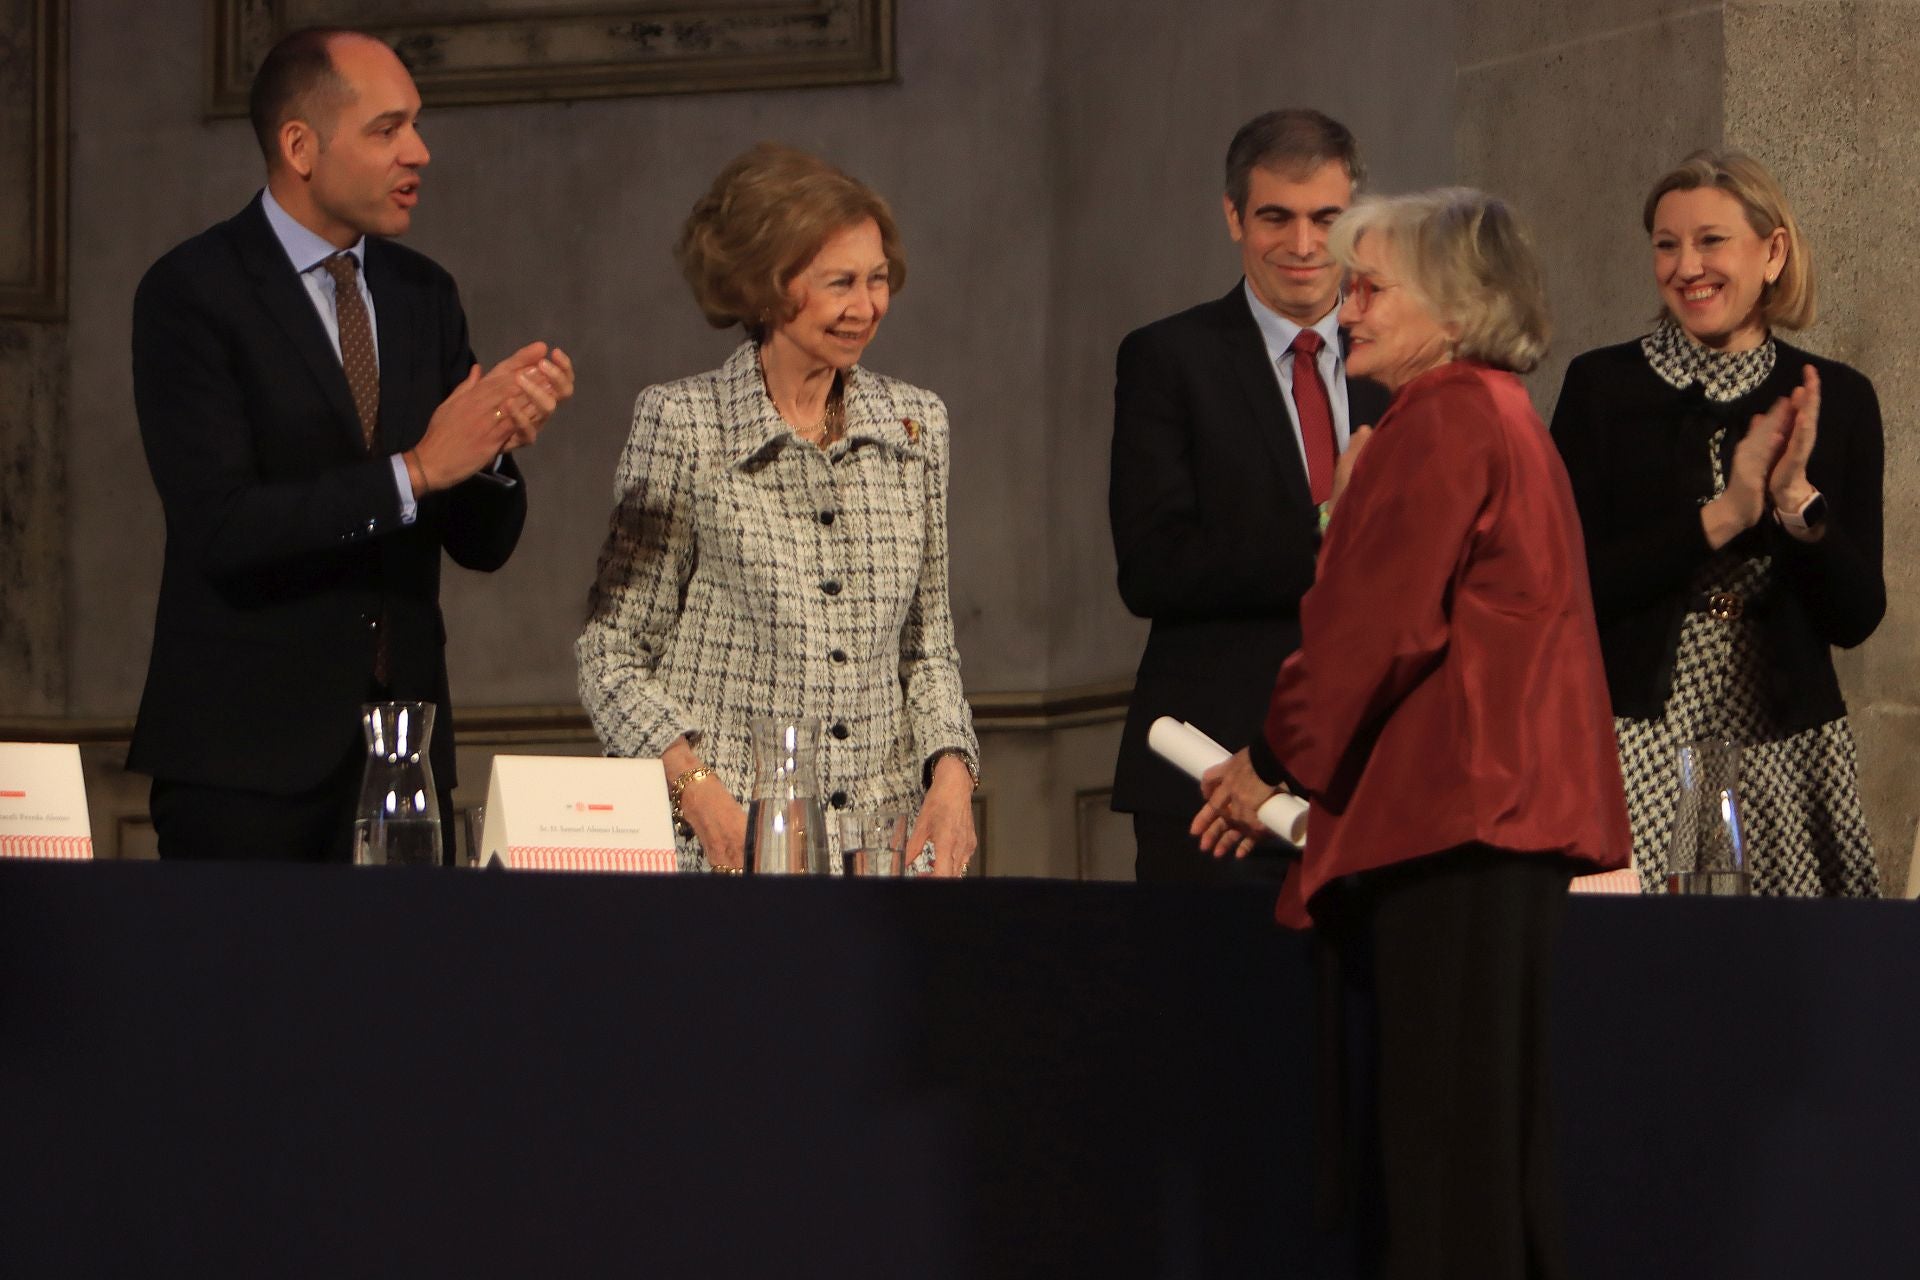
(913, 429)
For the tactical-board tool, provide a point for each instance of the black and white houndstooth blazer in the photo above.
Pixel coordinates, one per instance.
(747, 573)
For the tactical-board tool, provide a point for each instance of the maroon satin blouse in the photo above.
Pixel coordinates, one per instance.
(1448, 687)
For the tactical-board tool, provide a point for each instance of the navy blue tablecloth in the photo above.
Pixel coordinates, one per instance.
(219, 1070)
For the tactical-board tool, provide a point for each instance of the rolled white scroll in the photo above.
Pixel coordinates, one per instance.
(1193, 752)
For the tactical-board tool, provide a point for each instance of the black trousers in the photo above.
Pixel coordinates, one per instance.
(1455, 952)
(222, 824)
(1165, 854)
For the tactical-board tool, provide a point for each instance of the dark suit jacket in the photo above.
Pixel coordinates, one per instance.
(285, 553)
(1635, 449)
(1214, 529)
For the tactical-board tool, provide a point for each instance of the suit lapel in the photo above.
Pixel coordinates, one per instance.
(1259, 383)
(285, 299)
(396, 313)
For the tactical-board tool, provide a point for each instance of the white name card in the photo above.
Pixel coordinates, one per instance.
(1624, 881)
(43, 802)
(578, 813)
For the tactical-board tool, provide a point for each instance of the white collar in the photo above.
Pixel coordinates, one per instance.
(303, 248)
(1279, 332)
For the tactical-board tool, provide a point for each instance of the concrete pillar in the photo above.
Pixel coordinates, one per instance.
(1828, 95)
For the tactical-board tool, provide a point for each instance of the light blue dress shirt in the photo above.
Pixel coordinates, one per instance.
(307, 251)
(1278, 332)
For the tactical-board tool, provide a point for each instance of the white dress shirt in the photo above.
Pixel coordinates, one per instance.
(307, 252)
(1279, 332)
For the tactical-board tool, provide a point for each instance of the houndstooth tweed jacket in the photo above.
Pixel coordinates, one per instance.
(747, 573)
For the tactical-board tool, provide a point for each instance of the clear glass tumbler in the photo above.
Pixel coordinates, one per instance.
(871, 843)
(1708, 852)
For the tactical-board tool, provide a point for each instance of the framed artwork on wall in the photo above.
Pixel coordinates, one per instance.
(484, 51)
(33, 159)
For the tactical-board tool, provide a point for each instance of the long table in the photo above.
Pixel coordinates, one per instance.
(276, 1071)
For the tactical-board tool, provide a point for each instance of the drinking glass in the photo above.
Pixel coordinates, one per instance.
(1708, 853)
(871, 843)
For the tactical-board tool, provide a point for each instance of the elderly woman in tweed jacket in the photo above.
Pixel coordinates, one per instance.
(779, 541)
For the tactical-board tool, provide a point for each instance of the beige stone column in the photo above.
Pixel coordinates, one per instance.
(1828, 94)
(1572, 109)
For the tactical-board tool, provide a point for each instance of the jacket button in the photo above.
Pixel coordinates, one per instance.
(826, 517)
(838, 655)
(831, 587)
(839, 731)
(839, 800)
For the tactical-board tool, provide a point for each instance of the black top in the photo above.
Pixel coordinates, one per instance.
(1635, 449)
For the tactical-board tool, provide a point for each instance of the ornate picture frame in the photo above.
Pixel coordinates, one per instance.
(490, 51)
(33, 146)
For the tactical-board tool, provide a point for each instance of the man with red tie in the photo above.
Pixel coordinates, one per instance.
(1228, 419)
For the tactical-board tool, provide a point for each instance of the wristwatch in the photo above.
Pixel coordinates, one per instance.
(1812, 512)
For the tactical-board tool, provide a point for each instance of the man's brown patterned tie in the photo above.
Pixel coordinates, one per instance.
(356, 342)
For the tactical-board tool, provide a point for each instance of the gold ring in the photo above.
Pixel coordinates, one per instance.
(499, 414)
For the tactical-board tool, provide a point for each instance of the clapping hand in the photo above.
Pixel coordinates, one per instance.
(490, 414)
(1744, 500)
(543, 387)
(1787, 485)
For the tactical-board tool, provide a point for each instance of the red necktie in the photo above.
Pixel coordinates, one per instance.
(1315, 412)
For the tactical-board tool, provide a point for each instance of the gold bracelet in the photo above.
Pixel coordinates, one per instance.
(681, 783)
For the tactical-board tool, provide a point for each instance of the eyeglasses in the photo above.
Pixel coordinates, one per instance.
(1363, 290)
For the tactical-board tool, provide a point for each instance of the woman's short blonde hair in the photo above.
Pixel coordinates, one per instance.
(1466, 256)
(1787, 303)
(765, 217)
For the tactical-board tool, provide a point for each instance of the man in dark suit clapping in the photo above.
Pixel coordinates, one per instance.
(1227, 422)
(319, 434)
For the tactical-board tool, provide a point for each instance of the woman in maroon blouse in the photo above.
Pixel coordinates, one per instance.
(1447, 717)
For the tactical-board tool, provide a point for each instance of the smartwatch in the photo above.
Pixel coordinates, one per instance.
(1812, 513)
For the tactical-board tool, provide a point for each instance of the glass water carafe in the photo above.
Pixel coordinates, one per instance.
(1708, 853)
(398, 821)
(786, 830)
